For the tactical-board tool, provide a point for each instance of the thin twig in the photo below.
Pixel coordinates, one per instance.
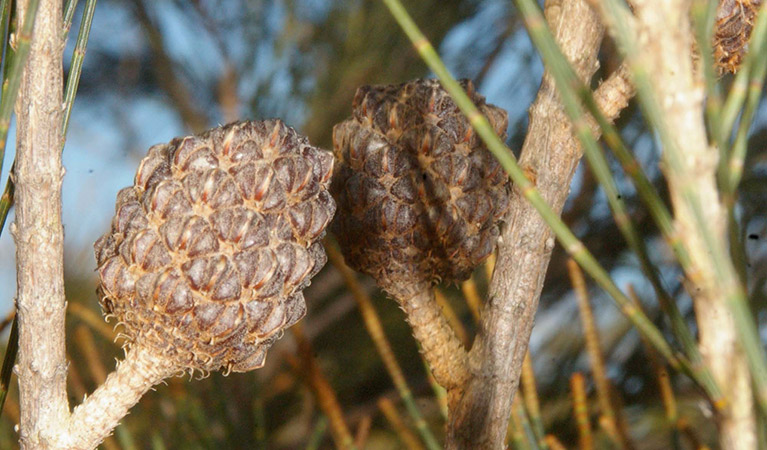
(739, 147)
(11, 410)
(704, 17)
(375, 330)
(581, 411)
(516, 431)
(76, 66)
(440, 346)
(326, 396)
(69, 14)
(12, 346)
(87, 315)
(403, 432)
(96, 417)
(510, 26)
(87, 346)
(12, 82)
(610, 419)
(554, 443)
(9, 359)
(490, 266)
(7, 320)
(79, 391)
(471, 295)
(661, 375)
(75, 381)
(530, 395)
(317, 434)
(691, 435)
(452, 318)
(5, 28)
(363, 431)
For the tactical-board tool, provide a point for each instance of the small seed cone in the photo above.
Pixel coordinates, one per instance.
(420, 195)
(210, 249)
(420, 200)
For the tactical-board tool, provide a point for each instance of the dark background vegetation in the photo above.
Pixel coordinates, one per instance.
(156, 69)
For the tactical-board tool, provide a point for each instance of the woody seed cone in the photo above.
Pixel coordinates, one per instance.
(419, 195)
(210, 249)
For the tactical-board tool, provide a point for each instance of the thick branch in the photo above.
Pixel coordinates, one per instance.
(41, 367)
(667, 56)
(551, 153)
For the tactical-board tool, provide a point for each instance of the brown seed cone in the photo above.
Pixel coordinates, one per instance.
(420, 196)
(211, 247)
(734, 22)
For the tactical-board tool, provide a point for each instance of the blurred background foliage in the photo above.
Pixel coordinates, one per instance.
(156, 69)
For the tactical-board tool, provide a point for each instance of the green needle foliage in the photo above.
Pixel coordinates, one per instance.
(73, 79)
(302, 61)
(725, 272)
(572, 90)
(8, 362)
(12, 80)
(566, 237)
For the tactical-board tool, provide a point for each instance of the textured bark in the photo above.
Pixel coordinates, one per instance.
(551, 154)
(42, 367)
(440, 346)
(667, 56)
(38, 232)
(98, 415)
